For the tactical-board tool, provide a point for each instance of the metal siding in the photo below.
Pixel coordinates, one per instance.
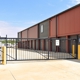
(77, 20)
(45, 29)
(24, 34)
(68, 22)
(52, 27)
(33, 32)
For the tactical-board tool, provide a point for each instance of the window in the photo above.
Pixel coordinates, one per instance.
(41, 28)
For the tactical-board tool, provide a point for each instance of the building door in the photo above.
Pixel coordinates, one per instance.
(46, 44)
(41, 43)
(53, 45)
(71, 42)
(62, 47)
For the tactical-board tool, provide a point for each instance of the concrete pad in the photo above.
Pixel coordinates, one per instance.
(5, 73)
(43, 70)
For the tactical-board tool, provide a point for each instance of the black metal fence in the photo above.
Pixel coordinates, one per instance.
(39, 49)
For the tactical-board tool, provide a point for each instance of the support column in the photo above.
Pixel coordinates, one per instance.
(67, 44)
(78, 42)
(79, 51)
(73, 51)
(4, 55)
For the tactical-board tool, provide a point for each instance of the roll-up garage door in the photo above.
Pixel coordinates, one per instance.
(33, 44)
(37, 44)
(71, 42)
(62, 47)
(41, 44)
(53, 45)
(46, 44)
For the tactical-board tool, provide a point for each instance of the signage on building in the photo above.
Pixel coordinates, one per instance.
(57, 42)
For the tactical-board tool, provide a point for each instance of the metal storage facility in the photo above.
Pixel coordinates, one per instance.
(65, 25)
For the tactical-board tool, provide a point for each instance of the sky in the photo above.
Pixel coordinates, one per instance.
(17, 15)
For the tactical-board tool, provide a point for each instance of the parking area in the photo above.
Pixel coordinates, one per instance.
(41, 70)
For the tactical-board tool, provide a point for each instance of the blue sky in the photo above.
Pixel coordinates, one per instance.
(16, 15)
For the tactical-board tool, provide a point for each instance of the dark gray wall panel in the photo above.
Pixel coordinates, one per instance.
(19, 34)
(45, 32)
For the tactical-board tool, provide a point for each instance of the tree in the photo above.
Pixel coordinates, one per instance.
(8, 41)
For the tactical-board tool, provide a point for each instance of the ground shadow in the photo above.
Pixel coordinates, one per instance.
(74, 60)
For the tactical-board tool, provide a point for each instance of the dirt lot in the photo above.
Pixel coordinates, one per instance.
(41, 70)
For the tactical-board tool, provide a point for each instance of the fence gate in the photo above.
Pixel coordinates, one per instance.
(30, 49)
(63, 49)
(0, 55)
(22, 49)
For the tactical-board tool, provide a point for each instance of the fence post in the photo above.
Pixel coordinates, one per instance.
(79, 52)
(48, 48)
(4, 55)
(73, 51)
(16, 49)
(6, 48)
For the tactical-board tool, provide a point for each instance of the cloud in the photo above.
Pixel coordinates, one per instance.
(68, 6)
(75, 1)
(30, 23)
(72, 2)
(50, 4)
(9, 30)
